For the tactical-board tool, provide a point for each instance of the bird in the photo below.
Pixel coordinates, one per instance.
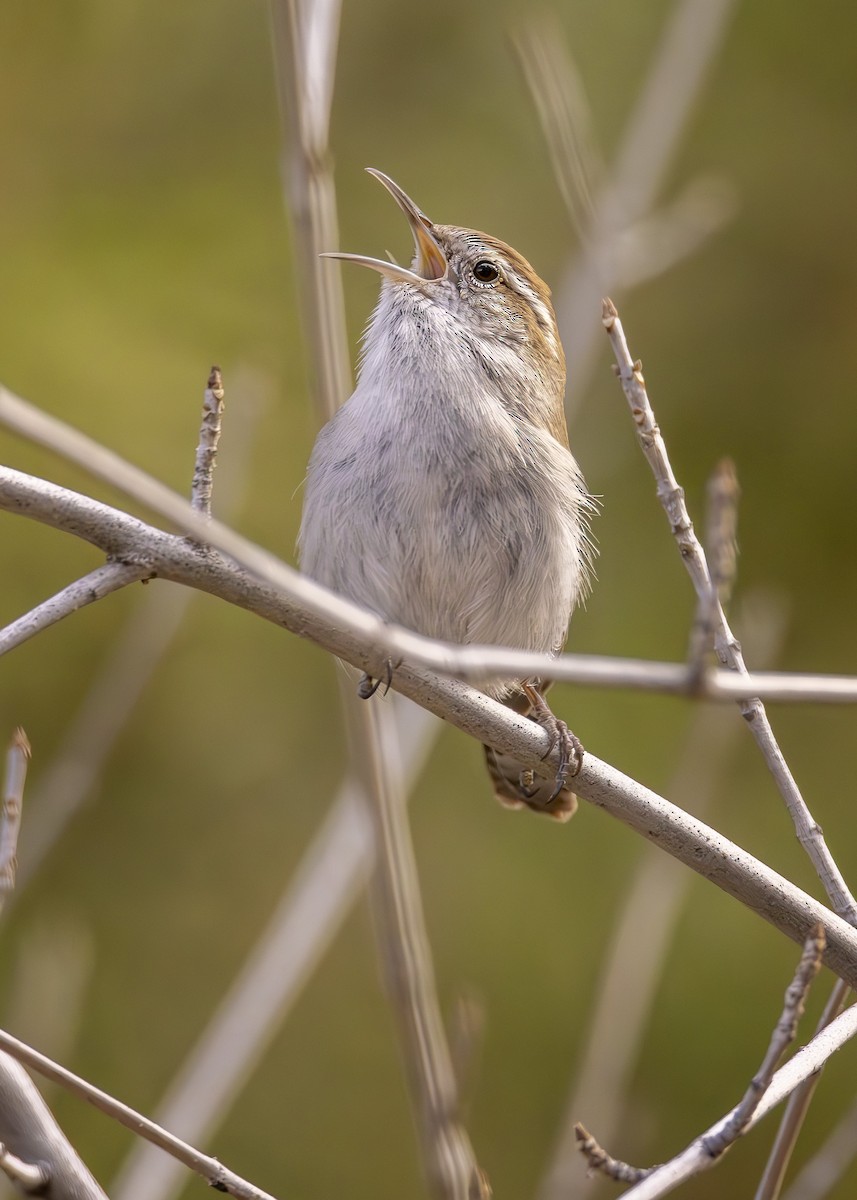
(442, 495)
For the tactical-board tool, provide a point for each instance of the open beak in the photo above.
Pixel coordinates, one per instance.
(430, 261)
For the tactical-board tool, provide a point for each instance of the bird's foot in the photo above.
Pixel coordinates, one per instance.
(367, 687)
(570, 748)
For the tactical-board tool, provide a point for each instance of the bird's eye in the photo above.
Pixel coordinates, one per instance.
(485, 271)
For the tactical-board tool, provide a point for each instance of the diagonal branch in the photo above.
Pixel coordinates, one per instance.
(802, 1065)
(214, 1172)
(727, 647)
(691, 842)
(796, 1109)
(312, 908)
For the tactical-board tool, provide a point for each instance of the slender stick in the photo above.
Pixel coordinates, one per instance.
(95, 586)
(716, 1142)
(28, 496)
(821, 1173)
(305, 36)
(409, 971)
(803, 1064)
(209, 437)
(71, 777)
(635, 957)
(727, 647)
(796, 1109)
(782, 1037)
(304, 39)
(212, 1171)
(313, 906)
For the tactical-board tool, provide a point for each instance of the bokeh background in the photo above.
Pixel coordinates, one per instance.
(142, 237)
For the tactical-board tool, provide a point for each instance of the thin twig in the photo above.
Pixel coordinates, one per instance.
(820, 1174)
(693, 843)
(95, 586)
(34, 1152)
(304, 38)
(715, 1143)
(796, 1109)
(634, 960)
(209, 436)
(17, 757)
(71, 777)
(804, 1063)
(312, 908)
(727, 647)
(599, 1160)
(782, 1037)
(212, 1171)
(451, 1164)
(28, 496)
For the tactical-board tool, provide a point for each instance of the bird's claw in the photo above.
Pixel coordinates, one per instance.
(367, 687)
(570, 747)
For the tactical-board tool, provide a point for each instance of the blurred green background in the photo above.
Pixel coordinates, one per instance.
(143, 237)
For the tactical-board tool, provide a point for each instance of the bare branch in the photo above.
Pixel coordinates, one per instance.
(304, 39)
(313, 906)
(715, 1144)
(26, 496)
(451, 1163)
(804, 1063)
(305, 35)
(693, 843)
(17, 757)
(634, 959)
(209, 436)
(796, 1109)
(782, 1037)
(818, 1177)
(727, 646)
(95, 586)
(43, 501)
(212, 1171)
(71, 777)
